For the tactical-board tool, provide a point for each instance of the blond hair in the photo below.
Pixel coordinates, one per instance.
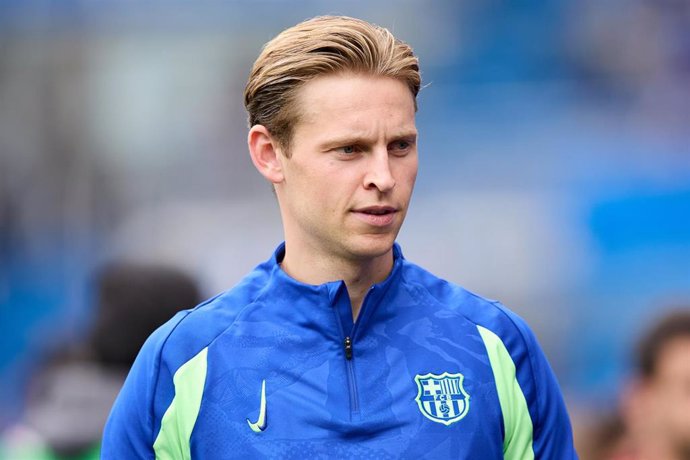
(324, 45)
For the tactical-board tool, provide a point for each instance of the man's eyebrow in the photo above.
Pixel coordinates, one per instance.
(344, 139)
(361, 138)
(407, 135)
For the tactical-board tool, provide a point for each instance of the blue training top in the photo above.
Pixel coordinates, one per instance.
(275, 368)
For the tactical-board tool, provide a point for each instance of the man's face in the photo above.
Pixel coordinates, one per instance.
(668, 394)
(353, 162)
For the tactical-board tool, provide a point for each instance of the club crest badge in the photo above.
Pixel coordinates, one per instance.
(441, 398)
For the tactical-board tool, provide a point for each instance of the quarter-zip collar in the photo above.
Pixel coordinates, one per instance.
(328, 295)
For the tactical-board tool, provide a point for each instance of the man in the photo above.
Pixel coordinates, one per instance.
(656, 409)
(337, 346)
(70, 396)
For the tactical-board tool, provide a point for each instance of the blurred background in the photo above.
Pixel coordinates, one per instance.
(554, 162)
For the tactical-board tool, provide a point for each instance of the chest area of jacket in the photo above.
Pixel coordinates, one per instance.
(405, 391)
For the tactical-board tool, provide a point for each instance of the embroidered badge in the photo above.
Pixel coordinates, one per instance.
(441, 398)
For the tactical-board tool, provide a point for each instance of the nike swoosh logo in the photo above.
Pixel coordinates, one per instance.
(260, 424)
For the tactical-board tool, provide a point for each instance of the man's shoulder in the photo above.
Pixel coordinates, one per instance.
(190, 331)
(455, 299)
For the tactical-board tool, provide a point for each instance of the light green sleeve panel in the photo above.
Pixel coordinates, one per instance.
(517, 423)
(172, 442)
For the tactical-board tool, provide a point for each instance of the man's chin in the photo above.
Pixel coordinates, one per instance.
(372, 247)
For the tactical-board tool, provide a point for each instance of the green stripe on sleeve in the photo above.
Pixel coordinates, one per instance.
(517, 422)
(172, 442)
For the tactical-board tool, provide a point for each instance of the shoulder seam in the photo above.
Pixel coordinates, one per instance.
(159, 358)
(259, 295)
(253, 301)
(528, 348)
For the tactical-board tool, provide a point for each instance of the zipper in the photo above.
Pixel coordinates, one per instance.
(348, 348)
(354, 397)
(351, 382)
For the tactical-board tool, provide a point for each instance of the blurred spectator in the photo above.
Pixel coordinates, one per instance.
(656, 407)
(70, 398)
(604, 438)
(654, 421)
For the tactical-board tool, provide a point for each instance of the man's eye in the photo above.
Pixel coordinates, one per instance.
(347, 150)
(400, 146)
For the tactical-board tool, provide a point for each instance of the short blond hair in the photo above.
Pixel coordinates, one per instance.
(323, 45)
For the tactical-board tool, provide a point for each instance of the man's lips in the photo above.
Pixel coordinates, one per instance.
(377, 216)
(377, 210)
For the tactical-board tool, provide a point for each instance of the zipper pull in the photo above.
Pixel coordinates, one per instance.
(348, 348)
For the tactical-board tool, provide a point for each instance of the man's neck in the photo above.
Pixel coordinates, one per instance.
(358, 274)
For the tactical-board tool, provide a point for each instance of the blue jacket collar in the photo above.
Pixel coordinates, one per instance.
(332, 294)
(279, 274)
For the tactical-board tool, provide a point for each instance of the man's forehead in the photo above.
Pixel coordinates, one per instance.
(348, 101)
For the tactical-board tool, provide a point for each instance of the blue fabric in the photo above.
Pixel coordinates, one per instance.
(319, 404)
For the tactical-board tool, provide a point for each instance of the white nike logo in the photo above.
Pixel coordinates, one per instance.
(260, 424)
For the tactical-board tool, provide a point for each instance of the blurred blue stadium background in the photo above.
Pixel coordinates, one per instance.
(555, 161)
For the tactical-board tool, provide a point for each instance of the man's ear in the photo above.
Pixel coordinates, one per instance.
(266, 153)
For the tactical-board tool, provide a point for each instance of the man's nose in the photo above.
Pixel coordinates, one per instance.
(379, 173)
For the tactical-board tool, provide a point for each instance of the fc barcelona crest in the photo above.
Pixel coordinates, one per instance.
(441, 398)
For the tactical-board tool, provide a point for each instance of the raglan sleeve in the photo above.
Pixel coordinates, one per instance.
(134, 418)
(552, 431)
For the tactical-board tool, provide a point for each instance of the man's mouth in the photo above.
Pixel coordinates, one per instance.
(378, 216)
(377, 210)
